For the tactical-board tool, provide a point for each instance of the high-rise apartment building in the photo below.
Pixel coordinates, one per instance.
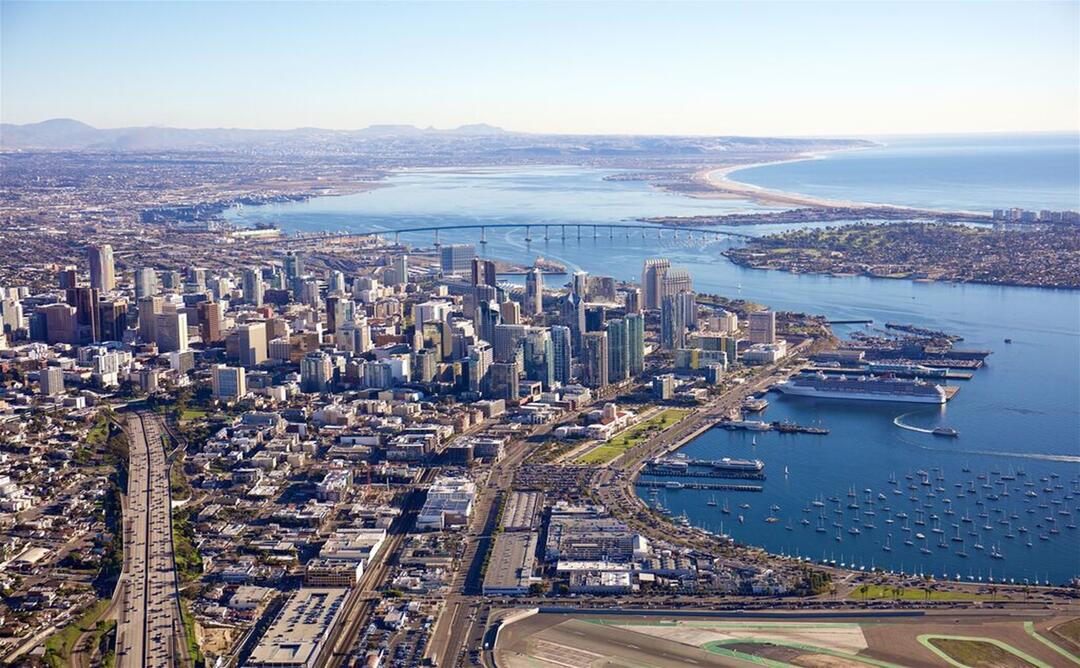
(618, 350)
(253, 286)
(51, 381)
(635, 343)
(594, 359)
(763, 327)
(562, 353)
(316, 372)
(170, 331)
(539, 357)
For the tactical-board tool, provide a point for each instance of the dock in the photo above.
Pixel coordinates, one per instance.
(713, 486)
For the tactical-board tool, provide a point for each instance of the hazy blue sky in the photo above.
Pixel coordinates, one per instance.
(680, 68)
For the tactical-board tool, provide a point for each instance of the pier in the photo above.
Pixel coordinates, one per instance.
(713, 486)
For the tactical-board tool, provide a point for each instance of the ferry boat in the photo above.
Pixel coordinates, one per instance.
(868, 388)
(751, 425)
(744, 465)
(754, 404)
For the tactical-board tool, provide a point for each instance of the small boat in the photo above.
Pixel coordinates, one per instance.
(1008, 340)
(711, 502)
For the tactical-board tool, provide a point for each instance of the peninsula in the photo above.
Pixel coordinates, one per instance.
(1036, 256)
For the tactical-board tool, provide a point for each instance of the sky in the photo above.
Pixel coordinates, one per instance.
(761, 68)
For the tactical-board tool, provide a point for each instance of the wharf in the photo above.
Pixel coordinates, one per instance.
(950, 391)
(713, 486)
(950, 374)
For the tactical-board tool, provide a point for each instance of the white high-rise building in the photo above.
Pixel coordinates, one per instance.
(252, 340)
(652, 281)
(145, 282)
(171, 331)
(51, 381)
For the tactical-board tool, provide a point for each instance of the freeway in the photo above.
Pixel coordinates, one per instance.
(149, 627)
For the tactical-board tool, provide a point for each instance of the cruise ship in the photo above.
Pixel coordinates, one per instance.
(871, 388)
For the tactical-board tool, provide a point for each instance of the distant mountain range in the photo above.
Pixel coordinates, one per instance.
(69, 134)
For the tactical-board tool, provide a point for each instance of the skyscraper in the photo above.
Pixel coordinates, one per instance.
(763, 327)
(488, 317)
(170, 331)
(252, 343)
(253, 286)
(210, 317)
(635, 343)
(504, 380)
(112, 318)
(673, 318)
(102, 268)
(85, 301)
(618, 350)
(633, 300)
(397, 273)
(294, 266)
(676, 280)
(508, 339)
(457, 259)
(534, 291)
(480, 359)
(652, 282)
(580, 286)
(68, 277)
(483, 272)
(562, 353)
(145, 282)
(510, 312)
(540, 357)
(594, 359)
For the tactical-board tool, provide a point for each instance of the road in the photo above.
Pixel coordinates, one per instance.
(149, 627)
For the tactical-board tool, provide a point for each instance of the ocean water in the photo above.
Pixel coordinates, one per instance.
(1022, 411)
(971, 173)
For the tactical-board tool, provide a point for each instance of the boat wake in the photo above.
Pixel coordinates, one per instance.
(898, 423)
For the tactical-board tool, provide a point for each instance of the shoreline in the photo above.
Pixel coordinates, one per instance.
(719, 180)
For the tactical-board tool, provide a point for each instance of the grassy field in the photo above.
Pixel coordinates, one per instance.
(59, 645)
(872, 592)
(632, 436)
(978, 654)
(192, 414)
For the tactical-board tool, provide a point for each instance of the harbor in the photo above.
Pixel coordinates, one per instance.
(711, 486)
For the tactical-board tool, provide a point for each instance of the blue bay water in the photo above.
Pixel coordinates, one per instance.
(970, 173)
(1024, 405)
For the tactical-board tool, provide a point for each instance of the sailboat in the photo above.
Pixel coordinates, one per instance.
(724, 509)
(888, 544)
(711, 501)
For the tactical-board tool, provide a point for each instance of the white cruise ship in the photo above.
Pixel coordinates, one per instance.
(869, 388)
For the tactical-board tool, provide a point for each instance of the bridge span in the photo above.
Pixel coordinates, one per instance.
(564, 231)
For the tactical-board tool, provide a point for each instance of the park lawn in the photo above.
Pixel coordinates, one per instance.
(59, 646)
(192, 414)
(628, 438)
(871, 592)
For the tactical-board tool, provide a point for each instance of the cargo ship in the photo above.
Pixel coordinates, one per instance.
(867, 388)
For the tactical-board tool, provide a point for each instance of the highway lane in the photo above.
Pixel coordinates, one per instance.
(149, 628)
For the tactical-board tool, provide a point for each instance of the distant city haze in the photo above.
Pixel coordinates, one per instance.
(673, 68)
